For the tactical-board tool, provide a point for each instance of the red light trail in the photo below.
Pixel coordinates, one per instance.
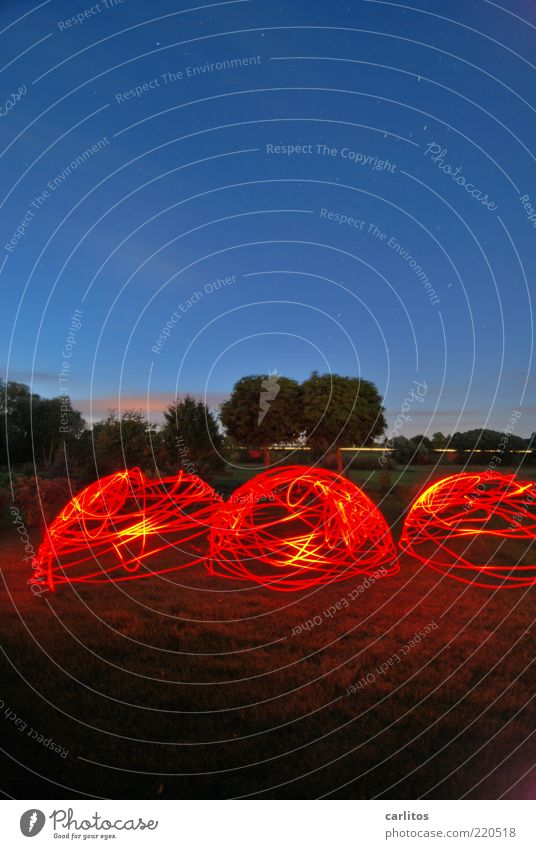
(290, 528)
(115, 526)
(294, 527)
(446, 520)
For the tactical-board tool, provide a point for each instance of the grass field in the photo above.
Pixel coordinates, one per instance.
(195, 687)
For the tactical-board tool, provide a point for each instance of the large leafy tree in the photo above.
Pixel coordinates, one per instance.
(262, 409)
(15, 424)
(339, 410)
(191, 439)
(33, 429)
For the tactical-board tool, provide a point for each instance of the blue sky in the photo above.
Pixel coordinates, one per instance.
(189, 202)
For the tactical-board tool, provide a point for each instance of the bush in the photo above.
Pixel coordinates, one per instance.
(41, 499)
(414, 451)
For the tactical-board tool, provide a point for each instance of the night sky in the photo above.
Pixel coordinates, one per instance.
(243, 187)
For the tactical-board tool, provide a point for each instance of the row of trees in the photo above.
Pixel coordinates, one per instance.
(50, 434)
(481, 439)
(475, 444)
(324, 412)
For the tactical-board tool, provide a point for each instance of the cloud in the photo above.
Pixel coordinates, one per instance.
(22, 375)
(419, 412)
(152, 406)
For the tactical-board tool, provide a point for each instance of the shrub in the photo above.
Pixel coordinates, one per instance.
(41, 499)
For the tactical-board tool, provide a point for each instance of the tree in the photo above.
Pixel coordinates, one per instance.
(55, 423)
(80, 456)
(340, 410)
(33, 428)
(123, 442)
(422, 448)
(484, 439)
(16, 402)
(404, 450)
(262, 409)
(439, 440)
(191, 439)
(421, 441)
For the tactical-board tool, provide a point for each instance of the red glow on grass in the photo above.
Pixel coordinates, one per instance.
(447, 518)
(295, 527)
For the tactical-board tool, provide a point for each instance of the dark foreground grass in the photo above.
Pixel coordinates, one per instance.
(211, 690)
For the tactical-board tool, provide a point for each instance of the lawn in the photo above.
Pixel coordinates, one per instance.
(196, 687)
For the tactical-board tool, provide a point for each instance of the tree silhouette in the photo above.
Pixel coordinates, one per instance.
(339, 410)
(263, 409)
(191, 439)
(124, 441)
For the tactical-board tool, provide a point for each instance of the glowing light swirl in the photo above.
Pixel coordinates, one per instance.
(293, 527)
(451, 514)
(131, 518)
